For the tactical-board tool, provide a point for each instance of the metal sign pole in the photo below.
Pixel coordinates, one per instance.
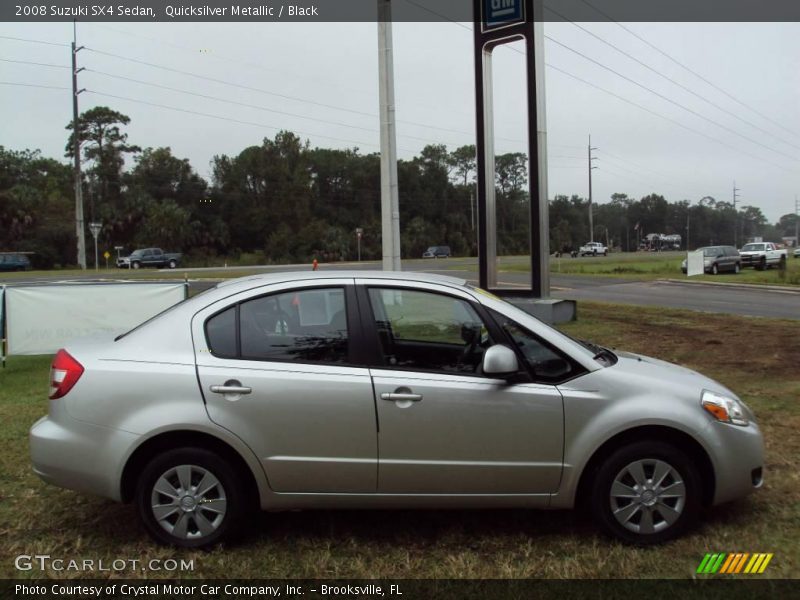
(498, 22)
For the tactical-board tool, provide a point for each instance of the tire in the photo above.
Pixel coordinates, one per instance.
(594, 252)
(737, 268)
(714, 269)
(605, 253)
(653, 518)
(224, 503)
(135, 265)
(172, 264)
(762, 264)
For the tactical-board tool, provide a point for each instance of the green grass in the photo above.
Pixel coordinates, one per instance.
(755, 357)
(656, 265)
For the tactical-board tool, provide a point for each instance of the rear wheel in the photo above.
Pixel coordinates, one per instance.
(190, 497)
(646, 493)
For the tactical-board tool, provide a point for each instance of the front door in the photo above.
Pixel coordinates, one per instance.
(444, 428)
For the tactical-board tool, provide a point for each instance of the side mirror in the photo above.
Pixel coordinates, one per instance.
(500, 360)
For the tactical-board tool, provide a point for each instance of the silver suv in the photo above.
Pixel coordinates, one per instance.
(383, 390)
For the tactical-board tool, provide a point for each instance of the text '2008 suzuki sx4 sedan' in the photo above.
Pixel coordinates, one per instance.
(383, 390)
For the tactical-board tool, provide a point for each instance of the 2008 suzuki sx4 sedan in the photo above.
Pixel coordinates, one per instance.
(383, 390)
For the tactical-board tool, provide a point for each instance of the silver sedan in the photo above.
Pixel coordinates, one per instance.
(382, 390)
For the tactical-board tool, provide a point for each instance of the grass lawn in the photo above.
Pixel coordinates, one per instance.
(755, 357)
(655, 265)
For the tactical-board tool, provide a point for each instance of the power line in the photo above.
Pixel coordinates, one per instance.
(253, 106)
(567, 73)
(666, 98)
(671, 120)
(683, 66)
(239, 121)
(279, 95)
(671, 80)
(36, 64)
(18, 39)
(34, 85)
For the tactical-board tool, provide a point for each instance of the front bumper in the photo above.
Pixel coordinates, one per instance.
(737, 454)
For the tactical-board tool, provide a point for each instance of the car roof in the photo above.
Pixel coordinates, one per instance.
(287, 276)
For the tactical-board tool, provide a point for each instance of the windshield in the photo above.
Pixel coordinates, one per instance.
(712, 251)
(137, 252)
(752, 247)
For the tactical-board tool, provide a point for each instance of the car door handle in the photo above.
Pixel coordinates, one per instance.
(399, 396)
(231, 387)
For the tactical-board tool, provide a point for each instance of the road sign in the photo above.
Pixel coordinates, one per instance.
(501, 13)
(106, 255)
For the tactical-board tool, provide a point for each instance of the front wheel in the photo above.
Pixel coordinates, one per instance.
(736, 268)
(714, 269)
(646, 493)
(135, 265)
(172, 264)
(191, 498)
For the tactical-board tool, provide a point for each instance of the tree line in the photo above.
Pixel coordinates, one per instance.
(283, 201)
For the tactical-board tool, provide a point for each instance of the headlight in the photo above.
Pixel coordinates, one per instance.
(707, 261)
(723, 408)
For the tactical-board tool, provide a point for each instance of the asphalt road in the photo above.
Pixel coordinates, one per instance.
(746, 300)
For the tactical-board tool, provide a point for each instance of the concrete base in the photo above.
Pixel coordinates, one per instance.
(549, 310)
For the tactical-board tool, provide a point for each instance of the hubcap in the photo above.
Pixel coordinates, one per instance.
(647, 496)
(188, 502)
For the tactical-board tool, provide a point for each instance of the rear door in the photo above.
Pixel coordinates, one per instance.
(444, 428)
(279, 367)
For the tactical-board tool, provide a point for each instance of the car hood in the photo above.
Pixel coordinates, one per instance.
(672, 375)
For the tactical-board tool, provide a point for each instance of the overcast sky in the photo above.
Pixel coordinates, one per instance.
(680, 153)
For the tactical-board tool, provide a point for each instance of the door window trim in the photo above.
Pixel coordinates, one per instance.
(577, 368)
(378, 358)
(355, 353)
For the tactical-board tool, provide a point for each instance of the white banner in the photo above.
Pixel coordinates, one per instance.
(40, 319)
(694, 263)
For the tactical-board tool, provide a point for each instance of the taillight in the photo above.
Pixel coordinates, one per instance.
(64, 373)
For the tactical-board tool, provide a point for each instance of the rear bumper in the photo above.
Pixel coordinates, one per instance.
(79, 456)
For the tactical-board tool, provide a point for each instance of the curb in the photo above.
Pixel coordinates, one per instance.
(778, 289)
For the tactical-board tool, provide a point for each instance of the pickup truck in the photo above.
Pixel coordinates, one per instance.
(763, 255)
(149, 257)
(593, 249)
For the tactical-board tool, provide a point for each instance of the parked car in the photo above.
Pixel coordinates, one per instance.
(149, 257)
(763, 255)
(437, 252)
(268, 391)
(796, 252)
(593, 249)
(717, 259)
(13, 261)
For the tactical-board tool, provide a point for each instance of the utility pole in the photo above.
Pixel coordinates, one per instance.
(390, 205)
(735, 215)
(796, 221)
(76, 149)
(591, 208)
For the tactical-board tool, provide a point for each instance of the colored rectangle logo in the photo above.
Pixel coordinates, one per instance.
(734, 563)
(500, 13)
